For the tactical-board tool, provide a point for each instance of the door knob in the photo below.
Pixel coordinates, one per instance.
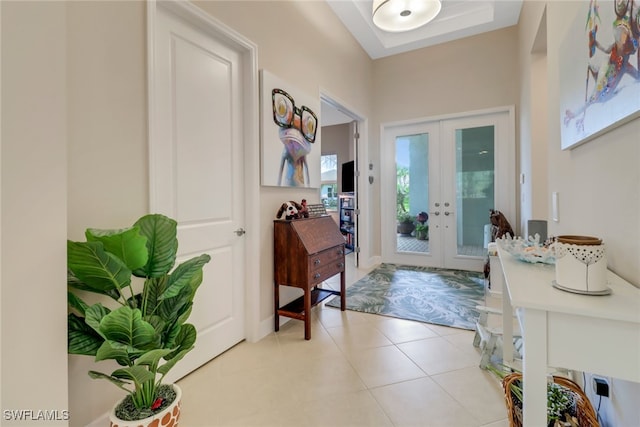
(240, 231)
(436, 213)
(448, 213)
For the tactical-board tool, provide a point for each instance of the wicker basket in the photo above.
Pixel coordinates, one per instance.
(586, 415)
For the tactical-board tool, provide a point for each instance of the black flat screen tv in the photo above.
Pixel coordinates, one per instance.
(348, 177)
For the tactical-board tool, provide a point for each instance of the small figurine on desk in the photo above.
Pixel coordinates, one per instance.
(304, 212)
(290, 209)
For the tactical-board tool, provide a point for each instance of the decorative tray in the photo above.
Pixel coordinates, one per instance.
(528, 250)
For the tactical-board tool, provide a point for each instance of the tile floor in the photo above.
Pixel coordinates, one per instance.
(357, 370)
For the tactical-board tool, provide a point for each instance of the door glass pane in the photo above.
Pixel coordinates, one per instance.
(412, 193)
(474, 188)
(329, 184)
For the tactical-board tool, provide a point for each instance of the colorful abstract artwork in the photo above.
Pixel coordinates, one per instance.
(290, 135)
(599, 63)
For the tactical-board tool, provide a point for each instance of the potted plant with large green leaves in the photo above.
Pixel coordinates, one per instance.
(405, 223)
(422, 228)
(422, 231)
(146, 331)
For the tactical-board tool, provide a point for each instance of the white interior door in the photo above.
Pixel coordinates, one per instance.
(454, 169)
(196, 148)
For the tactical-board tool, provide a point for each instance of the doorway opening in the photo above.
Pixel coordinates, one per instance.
(340, 169)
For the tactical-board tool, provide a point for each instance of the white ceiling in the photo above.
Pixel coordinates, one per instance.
(457, 19)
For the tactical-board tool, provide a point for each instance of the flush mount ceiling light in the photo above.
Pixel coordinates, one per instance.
(404, 15)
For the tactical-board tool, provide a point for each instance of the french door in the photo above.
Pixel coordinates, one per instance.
(440, 179)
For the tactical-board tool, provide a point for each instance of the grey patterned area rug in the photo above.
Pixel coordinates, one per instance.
(431, 295)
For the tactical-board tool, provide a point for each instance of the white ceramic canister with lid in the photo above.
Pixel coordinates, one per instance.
(581, 264)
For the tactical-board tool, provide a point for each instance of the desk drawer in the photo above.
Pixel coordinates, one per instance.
(325, 258)
(320, 274)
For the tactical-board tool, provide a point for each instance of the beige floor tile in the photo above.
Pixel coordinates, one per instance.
(202, 377)
(358, 369)
(399, 330)
(357, 409)
(501, 423)
(384, 365)
(477, 390)
(464, 341)
(331, 317)
(422, 402)
(359, 336)
(268, 418)
(443, 330)
(293, 346)
(247, 356)
(247, 394)
(292, 330)
(319, 378)
(196, 410)
(235, 396)
(437, 355)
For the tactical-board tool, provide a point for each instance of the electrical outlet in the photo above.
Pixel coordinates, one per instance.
(601, 387)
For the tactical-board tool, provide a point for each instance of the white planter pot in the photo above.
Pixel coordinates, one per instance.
(581, 268)
(168, 417)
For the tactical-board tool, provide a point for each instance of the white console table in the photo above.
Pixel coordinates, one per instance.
(597, 334)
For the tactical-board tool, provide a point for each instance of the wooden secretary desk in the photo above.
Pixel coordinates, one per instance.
(307, 252)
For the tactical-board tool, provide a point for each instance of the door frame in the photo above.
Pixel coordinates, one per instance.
(362, 258)
(249, 52)
(505, 178)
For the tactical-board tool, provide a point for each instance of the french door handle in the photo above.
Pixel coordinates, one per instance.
(240, 231)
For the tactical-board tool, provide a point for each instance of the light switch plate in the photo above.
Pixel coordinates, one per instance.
(555, 206)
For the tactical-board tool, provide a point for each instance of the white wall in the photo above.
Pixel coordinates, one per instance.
(532, 69)
(107, 148)
(108, 171)
(598, 182)
(473, 73)
(33, 270)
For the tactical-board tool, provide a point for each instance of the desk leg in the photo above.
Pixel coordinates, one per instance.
(534, 375)
(276, 301)
(307, 313)
(343, 292)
